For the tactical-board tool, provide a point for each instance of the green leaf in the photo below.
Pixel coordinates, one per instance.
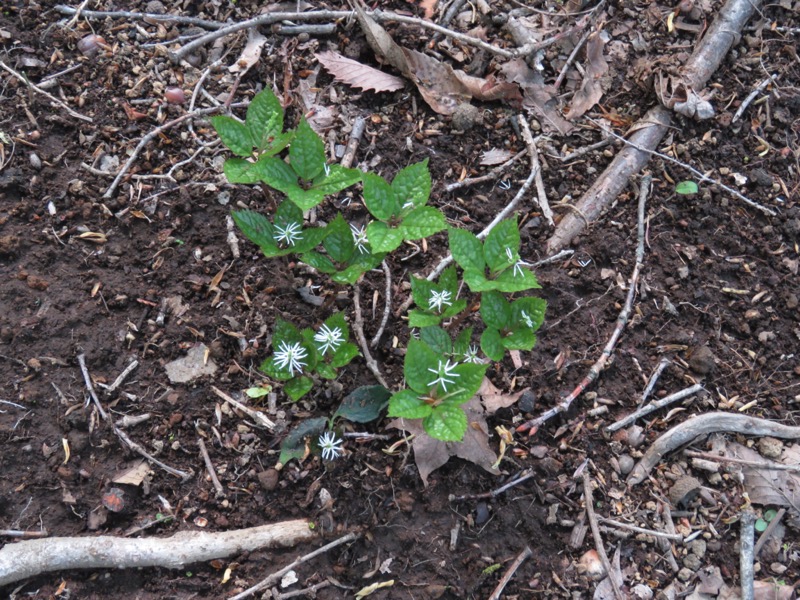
(503, 238)
(379, 198)
(337, 321)
(285, 332)
(239, 170)
(508, 281)
(258, 392)
(275, 173)
(520, 339)
(529, 309)
(264, 118)
(343, 355)
(278, 143)
(437, 339)
(360, 263)
(337, 179)
(383, 238)
(326, 371)
(413, 184)
(761, 524)
(492, 344)
(312, 237)
(298, 387)
(255, 227)
(422, 222)
(421, 292)
(453, 310)
(270, 368)
(446, 423)
(288, 212)
(419, 358)
(462, 342)
(319, 261)
(495, 310)
(305, 199)
(448, 280)
(339, 241)
(406, 404)
(470, 377)
(686, 188)
(477, 282)
(363, 404)
(467, 250)
(418, 318)
(233, 134)
(307, 152)
(294, 446)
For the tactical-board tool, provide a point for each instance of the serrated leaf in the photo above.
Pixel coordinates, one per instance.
(363, 404)
(294, 446)
(469, 377)
(421, 292)
(275, 173)
(305, 199)
(422, 222)
(358, 75)
(521, 339)
(418, 318)
(492, 344)
(343, 355)
(477, 282)
(504, 238)
(319, 262)
(239, 170)
(278, 143)
(467, 250)
(379, 198)
(233, 134)
(406, 404)
(339, 240)
(298, 387)
(413, 185)
(326, 371)
(454, 309)
(462, 342)
(529, 309)
(285, 332)
(360, 263)
(383, 238)
(337, 179)
(448, 280)
(686, 188)
(255, 227)
(270, 368)
(264, 118)
(419, 358)
(307, 152)
(510, 281)
(437, 339)
(496, 311)
(446, 423)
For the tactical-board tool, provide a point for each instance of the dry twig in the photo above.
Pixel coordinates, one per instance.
(747, 533)
(387, 306)
(490, 176)
(359, 125)
(44, 93)
(358, 328)
(536, 167)
(212, 473)
(598, 539)
(521, 558)
(655, 405)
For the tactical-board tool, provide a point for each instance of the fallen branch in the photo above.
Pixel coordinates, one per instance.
(359, 125)
(536, 167)
(747, 532)
(622, 320)
(34, 557)
(655, 405)
(714, 422)
(141, 16)
(649, 130)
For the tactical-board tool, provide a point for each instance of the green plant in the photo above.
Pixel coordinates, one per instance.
(443, 369)
(686, 188)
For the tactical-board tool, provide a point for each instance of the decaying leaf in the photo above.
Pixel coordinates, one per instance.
(358, 75)
(604, 589)
(538, 98)
(493, 399)
(769, 486)
(591, 89)
(430, 454)
(251, 52)
(495, 156)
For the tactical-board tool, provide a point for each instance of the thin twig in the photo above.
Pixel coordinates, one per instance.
(490, 176)
(45, 93)
(556, 257)
(747, 533)
(585, 150)
(212, 473)
(524, 476)
(233, 241)
(752, 96)
(124, 14)
(622, 320)
(573, 54)
(23, 535)
(358, 328)
(655, 405)
(651, 382)
(154, 134)
(359, 125)
(675, 537)
(754, 464)
(536, 167)
(276, 576)
(71, 23)
(521, 558)
(598, 540)
(259, 417)
(122, 376)
(764, 537)
(387, 306)
(665, 546)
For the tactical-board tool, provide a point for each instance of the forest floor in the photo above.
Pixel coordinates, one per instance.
(147, 273)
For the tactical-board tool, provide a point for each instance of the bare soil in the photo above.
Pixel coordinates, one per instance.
(86, 275)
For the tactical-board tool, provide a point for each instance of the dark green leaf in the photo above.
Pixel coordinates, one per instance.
(312, 237)
(288, 212)
(275, 173)
(343, 355)
(462, 342)
(264, 118)
(285, 332)
(379, 198)
(294, 446)
(504, 238)
(422, 222)
(239, 170)
(510, 281)
(447, 423)
(468, 380)
(326, 371)
(305, 199)
(421, 292)
(419, 358)
(417, 318)
(437, 339)
(319, 262)
(255, 227)
(520, 339)
(477, 282)
(337, 179)
(307, 152)
(453, 310)
(360, 263)
(448, 280)
(529, 312)
(271, 369)
(363, 404)
(413, 185)
(467, 250)
(495, 310)
(233, 134)
(406, 404)
(298, 387)
(492, 344)
(339, 240)
(278, 143)
(383, 238)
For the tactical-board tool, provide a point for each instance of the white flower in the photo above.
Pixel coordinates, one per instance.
(330, 446)
(360, 238)
(408, 204)
(291, 356)
(329, 338)
(288, 234)
(438, 300)
(526, 319)
(443, 374)
(471, 355)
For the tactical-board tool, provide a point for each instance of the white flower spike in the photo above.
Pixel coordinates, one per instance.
(439, 300)
(290, 356)
(330, 446)
(330, 339)
(471, 355)
(360, 238)
(444, 374)
(288, 234)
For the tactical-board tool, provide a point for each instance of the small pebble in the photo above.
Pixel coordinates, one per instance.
(268, 479)
(770, 447)
(702, 360)
(35, 161)
(465, 117)
(481, 513)
(692, 561)
(626, 463)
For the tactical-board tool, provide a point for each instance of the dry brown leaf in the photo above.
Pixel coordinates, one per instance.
(591, 89)
(490, 88)
(430, 454)
(495, 156)
(436, 81)
(251, 53)
(382, 44)
(494, 399)
(358, 75)
(768, 487)
(537, 97)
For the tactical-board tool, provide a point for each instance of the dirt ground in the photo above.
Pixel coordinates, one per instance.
(148, 274)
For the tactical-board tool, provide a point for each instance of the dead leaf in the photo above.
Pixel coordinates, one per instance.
(591, 89)
(358, 75)
(538, 98)
(430, 454)
(251, 53)
(133, 475)
(769, 487)
(495, 156)
(493, 399)
(604, 591)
